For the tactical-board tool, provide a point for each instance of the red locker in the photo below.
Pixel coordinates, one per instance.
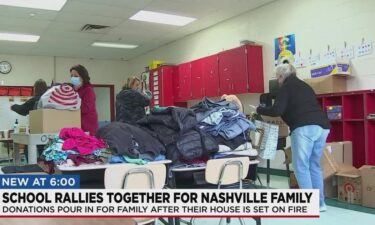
(255, 68)
(233, 71)
(166, 85)
(239, 70)
(161, 86)
(197, 79)
(210, 67)
(184, 73)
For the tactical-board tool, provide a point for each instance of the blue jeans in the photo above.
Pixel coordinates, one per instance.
(308, 143)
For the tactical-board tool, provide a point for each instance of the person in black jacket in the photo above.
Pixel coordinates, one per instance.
(40, 87)
(297, 105)
(131, 102)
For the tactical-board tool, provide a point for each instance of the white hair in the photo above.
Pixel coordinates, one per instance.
(285, 70)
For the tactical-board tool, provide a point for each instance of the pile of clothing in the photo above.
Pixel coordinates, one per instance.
(73, 147)
(176, 129)
(131, 143)
(224, 121)
(180, 134)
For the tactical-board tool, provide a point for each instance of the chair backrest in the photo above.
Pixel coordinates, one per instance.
(227, 171)
(10, 132)
(131, 176)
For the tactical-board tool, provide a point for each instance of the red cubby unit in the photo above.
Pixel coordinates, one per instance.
(336, 132)
(354, 131)
(370, 103)
(353, 106)
(331, 100)
(370, 142)
(354, 126)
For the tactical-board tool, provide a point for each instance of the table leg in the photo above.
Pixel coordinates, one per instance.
(32, 154)
(16, 154)
(268, 172)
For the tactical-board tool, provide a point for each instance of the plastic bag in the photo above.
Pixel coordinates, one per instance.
(60, 97)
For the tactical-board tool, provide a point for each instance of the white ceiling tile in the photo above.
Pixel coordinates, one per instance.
(88, 19)
(182, 8)
(61, 35)
(98, 9)
(64, 26)
(135, 4)
(70, 35)
(19, 12)
(24, 22)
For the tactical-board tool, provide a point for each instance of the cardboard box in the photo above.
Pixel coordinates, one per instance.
(368, 185)
(336, 150)
(330, 187)
(283, 128)
(52, 120)
(328, 164)
(327, 84)
(349, 186)
(348, 152)
(334, 69)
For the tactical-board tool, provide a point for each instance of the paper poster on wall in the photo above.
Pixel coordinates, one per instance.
(329, 57)
(313, 60)
(300, 61)
(285, 47)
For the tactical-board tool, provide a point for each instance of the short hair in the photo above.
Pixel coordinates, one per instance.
(285, 70)
(130, 82)
(40, 86)
(83, 73)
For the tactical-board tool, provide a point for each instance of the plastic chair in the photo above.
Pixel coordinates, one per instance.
(231, 171)
(131, 176)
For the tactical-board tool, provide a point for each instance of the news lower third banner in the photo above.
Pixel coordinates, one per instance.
(59, 196)
(160, 203)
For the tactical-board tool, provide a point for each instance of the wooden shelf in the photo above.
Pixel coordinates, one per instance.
(354, 120)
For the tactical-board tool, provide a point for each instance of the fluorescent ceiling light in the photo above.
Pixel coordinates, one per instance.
(155, 17)
(36, 4)
(112, 45)
(18, 37)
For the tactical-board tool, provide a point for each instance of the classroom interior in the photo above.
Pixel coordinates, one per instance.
(320, 27)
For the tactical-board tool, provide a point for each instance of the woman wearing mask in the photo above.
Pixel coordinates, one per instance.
(309, 127)
(131, 102)
(80, 80)
(40, 87)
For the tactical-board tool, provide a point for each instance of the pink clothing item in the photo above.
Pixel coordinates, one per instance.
(76, 139)
(89, 115)
(73, 132)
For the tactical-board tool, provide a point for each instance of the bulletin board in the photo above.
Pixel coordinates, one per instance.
(10, 95)
(7, 116)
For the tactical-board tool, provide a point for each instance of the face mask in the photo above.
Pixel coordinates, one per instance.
(76, 81)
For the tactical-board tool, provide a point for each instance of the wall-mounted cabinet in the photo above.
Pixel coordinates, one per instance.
(235, 71)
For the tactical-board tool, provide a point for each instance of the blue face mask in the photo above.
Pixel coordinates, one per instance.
(76, 81)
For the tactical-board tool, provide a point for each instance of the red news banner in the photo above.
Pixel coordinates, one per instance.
(159, 203)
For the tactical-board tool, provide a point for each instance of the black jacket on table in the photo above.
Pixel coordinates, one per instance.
(297, 105)
(26, 107)
(130, 106)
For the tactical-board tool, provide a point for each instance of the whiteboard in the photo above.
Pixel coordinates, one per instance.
(7, 116)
